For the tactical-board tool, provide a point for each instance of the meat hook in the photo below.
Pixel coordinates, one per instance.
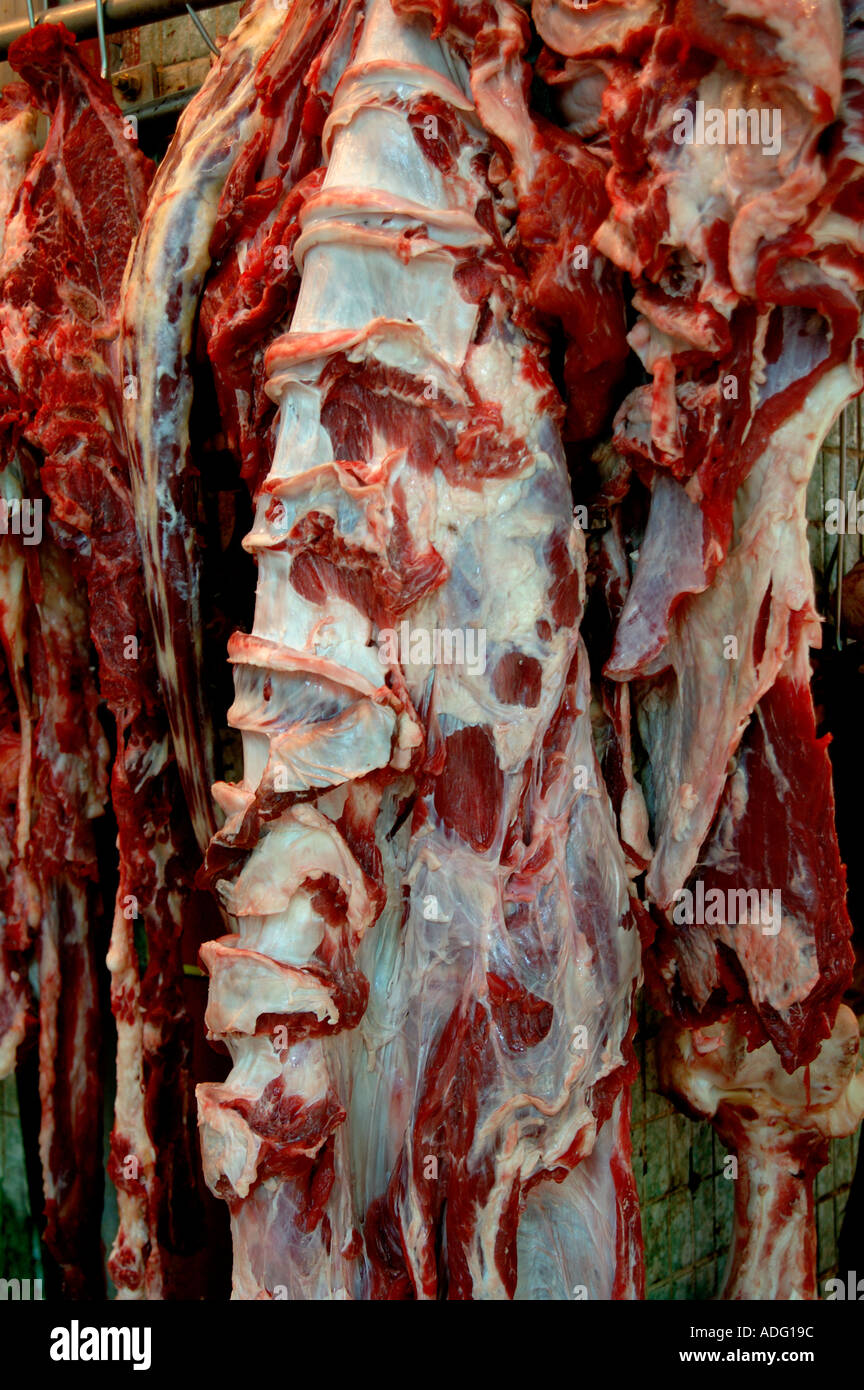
(199, 25)
(100, 30)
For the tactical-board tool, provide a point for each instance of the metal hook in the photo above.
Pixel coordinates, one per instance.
(30, 14)
(202, 31)
(100, 30)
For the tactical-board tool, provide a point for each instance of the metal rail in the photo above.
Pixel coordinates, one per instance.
(81, 17)
(170, 105)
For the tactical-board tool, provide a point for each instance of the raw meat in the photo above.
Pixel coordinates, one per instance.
(253, 287)
(773, 832)
(748, 275)
(60, 278)
(561, 203)
(237, 111)
(408, 289)
(749, 315)
(747, 268)
(58, 770)
(777, 1128)
(613, 573)
(17, 147)
(70, 761)
(55, 774)
(428, 993)
(727, 644)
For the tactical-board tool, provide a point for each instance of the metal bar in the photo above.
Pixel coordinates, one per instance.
(170, 105)
(81, 17)
(103, 42)
(202, 31)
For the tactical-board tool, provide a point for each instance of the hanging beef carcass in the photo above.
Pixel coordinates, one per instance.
(749, 318)
(428, 994)
(733, 212)
(18, 118)
(60, 275)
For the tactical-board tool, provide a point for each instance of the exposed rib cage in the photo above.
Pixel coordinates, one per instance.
(428, 912)
(173, 249)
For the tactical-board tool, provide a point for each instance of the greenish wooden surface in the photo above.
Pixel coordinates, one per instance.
(20, 1254)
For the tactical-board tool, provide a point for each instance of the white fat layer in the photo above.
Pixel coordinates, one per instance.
(18, 144)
